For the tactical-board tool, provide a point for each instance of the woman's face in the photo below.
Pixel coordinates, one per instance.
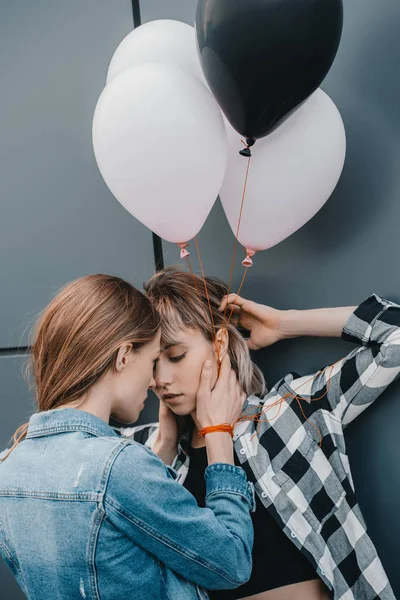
(133, 378)
(178, 370)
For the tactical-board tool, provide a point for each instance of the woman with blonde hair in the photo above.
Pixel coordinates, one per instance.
(87, 514)
(310, 541)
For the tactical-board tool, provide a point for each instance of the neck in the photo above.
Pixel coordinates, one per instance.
(96, 401)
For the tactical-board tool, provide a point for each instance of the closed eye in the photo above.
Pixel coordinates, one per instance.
(177, 358)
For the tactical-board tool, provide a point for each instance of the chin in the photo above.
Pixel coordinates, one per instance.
(128, 418)
(182, 411)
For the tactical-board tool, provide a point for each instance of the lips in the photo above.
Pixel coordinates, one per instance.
(171, 397)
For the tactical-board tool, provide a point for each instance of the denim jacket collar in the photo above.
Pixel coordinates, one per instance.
(67, 420)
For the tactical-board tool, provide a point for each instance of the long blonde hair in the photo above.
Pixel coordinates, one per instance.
(77, 338)
(181, 300)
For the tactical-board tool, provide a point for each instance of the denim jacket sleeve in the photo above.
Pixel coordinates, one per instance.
(209, 546)
(352, 384)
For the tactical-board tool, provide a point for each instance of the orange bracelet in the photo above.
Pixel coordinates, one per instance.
(225, 428)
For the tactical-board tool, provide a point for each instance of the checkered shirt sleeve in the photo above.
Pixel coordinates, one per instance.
(353, 383)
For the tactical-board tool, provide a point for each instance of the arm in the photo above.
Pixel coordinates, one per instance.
(319, 322)
(355, 382)
(211, 546)
(268, 325)
(352, 384)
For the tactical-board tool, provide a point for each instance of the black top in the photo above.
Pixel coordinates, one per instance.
(276, 560)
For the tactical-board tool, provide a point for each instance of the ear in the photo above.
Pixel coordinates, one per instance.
(123, 357)
(222, 342)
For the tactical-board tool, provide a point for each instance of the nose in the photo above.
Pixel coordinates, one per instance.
(153, 384)
(163, 376)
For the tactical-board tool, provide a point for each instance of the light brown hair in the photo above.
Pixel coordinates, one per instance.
(77, 338)
(181, 299)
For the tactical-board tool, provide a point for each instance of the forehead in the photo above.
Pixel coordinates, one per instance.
(154, 344)
(184, 336)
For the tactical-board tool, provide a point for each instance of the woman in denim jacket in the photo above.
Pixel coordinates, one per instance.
(311, 541)
(87, 514)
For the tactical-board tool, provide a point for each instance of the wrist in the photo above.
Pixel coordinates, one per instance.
(219, 447)
(222, 428)
(166, 452)
(166, 442)
(288, 323)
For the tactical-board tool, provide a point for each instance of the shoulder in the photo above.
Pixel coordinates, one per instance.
(133, 459)
(136, 471)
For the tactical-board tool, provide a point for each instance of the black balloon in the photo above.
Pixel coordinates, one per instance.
(263, 58)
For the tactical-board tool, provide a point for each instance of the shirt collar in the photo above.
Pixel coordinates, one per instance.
(65, 420)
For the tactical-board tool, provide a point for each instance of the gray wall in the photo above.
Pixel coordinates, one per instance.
(58, 221)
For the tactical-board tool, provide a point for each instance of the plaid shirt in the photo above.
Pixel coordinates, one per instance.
(308, 488)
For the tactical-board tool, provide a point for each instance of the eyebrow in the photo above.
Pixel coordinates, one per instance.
(171, 345)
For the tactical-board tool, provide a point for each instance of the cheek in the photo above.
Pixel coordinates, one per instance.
(194, 367)
(143, 375)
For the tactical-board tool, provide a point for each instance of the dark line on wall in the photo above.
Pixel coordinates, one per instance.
(157, 243)
(16, 351)
(158, 253)
(137, 20)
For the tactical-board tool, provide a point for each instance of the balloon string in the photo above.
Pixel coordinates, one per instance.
(197, 287)
(237, 293)
(217, 346)
(249, 415)
(238, 229)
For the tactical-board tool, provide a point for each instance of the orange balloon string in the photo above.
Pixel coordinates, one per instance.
(249, 415)
(217, 346)
(196, 286)
(237, 294)
(238, 228)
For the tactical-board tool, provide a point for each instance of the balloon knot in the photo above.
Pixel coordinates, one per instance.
(245, 152)
(184, 252)
(247, 262)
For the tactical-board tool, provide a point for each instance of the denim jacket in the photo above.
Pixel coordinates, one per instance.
(86, 514)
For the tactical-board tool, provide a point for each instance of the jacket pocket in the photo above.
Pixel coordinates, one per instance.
(309, 481)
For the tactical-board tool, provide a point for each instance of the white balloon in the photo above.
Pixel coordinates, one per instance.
(293, 172)
(160, 144)
(166, 41)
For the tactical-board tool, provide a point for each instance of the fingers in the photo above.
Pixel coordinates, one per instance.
(163, 410)
(205, 379)
(165, 413)
(240, 399)
(225, 370)
(232, 299)
(233, 310)
(235, 388)
(251, 345)
(232, 383)
(235, 319)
